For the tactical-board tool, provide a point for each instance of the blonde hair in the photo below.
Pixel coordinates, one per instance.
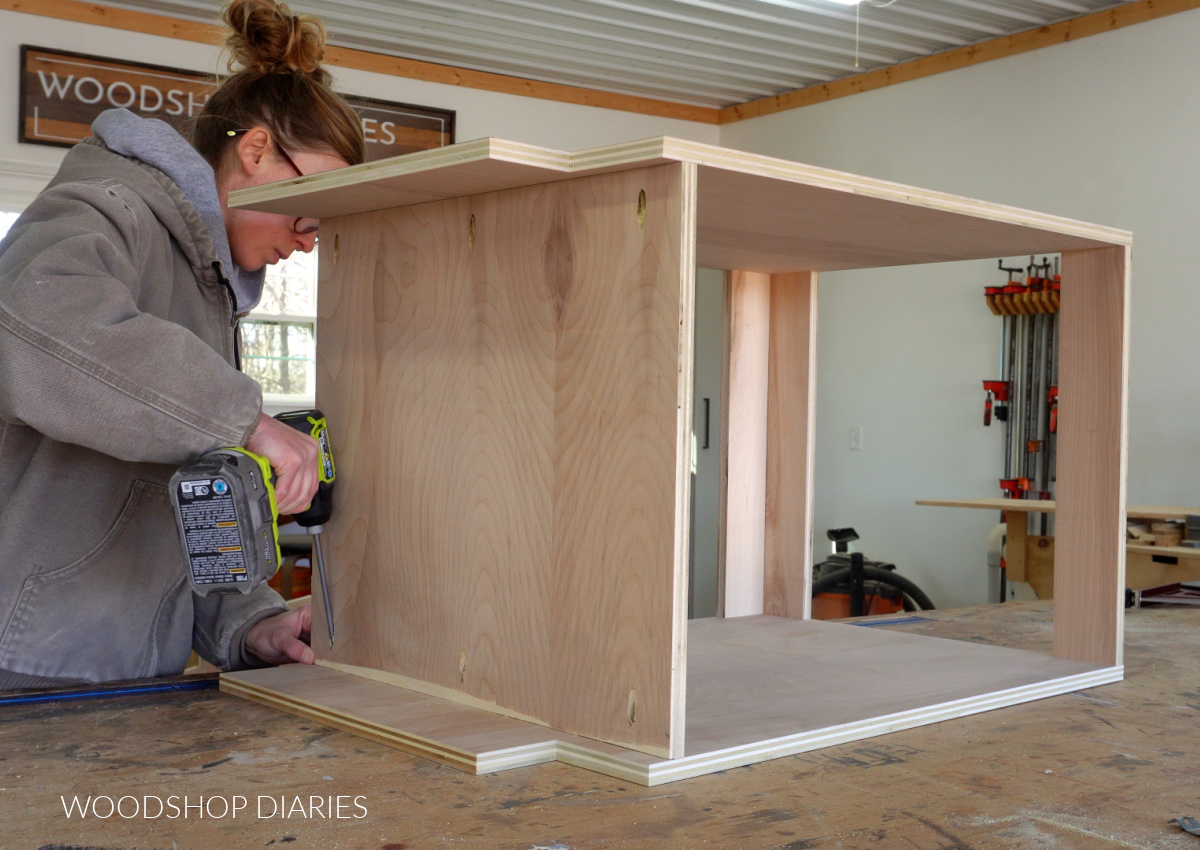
(277, 82)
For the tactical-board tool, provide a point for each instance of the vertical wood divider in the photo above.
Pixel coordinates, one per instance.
(791, 430)
(744, 440)
(723, 445)
(1089, 570)
(684, 461)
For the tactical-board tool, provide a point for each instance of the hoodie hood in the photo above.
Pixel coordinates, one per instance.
(156, 143)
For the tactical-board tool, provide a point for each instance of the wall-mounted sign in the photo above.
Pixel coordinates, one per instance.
(61, 94)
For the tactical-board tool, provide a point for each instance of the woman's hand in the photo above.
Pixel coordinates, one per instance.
(293, 455)
(283, 637)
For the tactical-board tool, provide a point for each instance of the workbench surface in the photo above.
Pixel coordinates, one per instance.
(1102, 768)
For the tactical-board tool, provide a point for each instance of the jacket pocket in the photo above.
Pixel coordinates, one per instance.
(97, 618)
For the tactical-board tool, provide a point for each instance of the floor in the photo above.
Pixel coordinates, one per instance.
(1102, 768)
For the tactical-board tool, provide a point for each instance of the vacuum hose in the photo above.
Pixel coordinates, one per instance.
(913, 595)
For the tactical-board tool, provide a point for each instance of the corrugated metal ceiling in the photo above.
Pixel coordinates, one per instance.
(702, 52)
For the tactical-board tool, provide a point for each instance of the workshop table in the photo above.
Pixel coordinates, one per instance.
(1107, 767)
(1030, 558)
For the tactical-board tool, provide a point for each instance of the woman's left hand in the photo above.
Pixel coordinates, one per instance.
(283, 637)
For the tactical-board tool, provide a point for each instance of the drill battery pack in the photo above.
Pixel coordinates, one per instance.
(227, 519)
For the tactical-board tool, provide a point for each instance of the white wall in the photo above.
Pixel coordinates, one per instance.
(25, 168)
(1105, 130)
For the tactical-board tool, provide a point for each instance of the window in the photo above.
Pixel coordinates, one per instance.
(7, 219)
(279, 335)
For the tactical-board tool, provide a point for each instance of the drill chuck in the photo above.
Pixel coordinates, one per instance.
(312, 422)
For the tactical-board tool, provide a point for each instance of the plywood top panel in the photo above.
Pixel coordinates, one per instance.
(755, 213)
(455, 171)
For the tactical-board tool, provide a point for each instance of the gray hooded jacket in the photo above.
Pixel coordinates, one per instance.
(117, 364)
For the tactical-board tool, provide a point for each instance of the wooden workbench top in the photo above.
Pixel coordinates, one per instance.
(1100, 768)
(1047, 506)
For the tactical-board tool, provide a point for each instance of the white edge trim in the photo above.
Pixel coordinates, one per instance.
(527, 756)
(669, 771)
(609, 765)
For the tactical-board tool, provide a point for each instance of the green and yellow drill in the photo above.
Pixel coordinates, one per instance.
(229, 523)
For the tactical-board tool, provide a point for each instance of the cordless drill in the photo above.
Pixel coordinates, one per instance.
(228, 520)
(312, 422)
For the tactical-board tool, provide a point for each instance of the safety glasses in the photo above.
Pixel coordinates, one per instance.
(302, 226)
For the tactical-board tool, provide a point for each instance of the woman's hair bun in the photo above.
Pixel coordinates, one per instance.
(267, 38)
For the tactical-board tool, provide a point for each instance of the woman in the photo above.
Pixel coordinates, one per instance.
(120, 291)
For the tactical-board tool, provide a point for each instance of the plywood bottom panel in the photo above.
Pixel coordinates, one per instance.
(759, 688)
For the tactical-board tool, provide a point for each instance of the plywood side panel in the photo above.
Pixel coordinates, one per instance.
(745, 416)
(1089, 569)
(347, 372)
(436, 363)
(510, 373)
(791, 436)
(615, 264)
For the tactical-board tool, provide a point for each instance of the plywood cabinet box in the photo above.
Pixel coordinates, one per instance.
(505, 360)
